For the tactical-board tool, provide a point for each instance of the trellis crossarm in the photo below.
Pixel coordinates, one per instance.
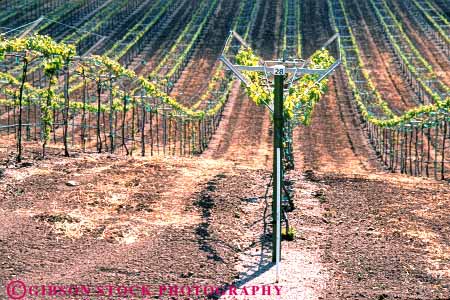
(240, 39)
(33, 24)
(236, 69)
(331, 40)
(288, 70)
(325, 72)
(296, 67)
(32, 27)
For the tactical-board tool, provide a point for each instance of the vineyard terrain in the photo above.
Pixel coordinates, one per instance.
(152, 165)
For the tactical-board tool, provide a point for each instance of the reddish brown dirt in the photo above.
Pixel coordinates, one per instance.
(335, 142)
(380, 64)
(153, 221)
(366, 228)
(383, 238)
(153, 53)
(437, 59)
(194, 80)
(133, 221)
(244, 135)
(128, 221)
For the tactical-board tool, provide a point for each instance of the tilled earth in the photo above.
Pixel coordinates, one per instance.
(99, 220)
(362, 233)
(383, 239)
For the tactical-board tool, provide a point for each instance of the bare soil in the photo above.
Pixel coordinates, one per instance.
(362, 233)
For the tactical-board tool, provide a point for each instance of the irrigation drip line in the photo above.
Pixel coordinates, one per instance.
(76, 29)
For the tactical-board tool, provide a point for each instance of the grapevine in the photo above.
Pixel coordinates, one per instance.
(302, 96)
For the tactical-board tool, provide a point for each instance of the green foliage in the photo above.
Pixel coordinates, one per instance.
(256, 91)
(422, 114)
(288, 235)
(302, 97)
(56, 55)
(418, 56)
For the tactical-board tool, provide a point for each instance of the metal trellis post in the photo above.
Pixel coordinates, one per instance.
(279, 72)
(279, 69)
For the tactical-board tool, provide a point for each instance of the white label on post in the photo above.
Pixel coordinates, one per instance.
(279, 70)
(278, 233)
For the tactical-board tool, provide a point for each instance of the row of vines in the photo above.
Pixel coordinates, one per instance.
(414, 142)
(50, 94)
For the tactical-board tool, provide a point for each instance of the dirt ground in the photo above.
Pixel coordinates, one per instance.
(125, 221)
(362, 233)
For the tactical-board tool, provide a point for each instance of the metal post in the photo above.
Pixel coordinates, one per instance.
(279, 72)
(111, 115)
(66, 109)
(297, 70)
(278, 214)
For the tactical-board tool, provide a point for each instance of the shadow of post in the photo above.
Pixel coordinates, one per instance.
(262, 265)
